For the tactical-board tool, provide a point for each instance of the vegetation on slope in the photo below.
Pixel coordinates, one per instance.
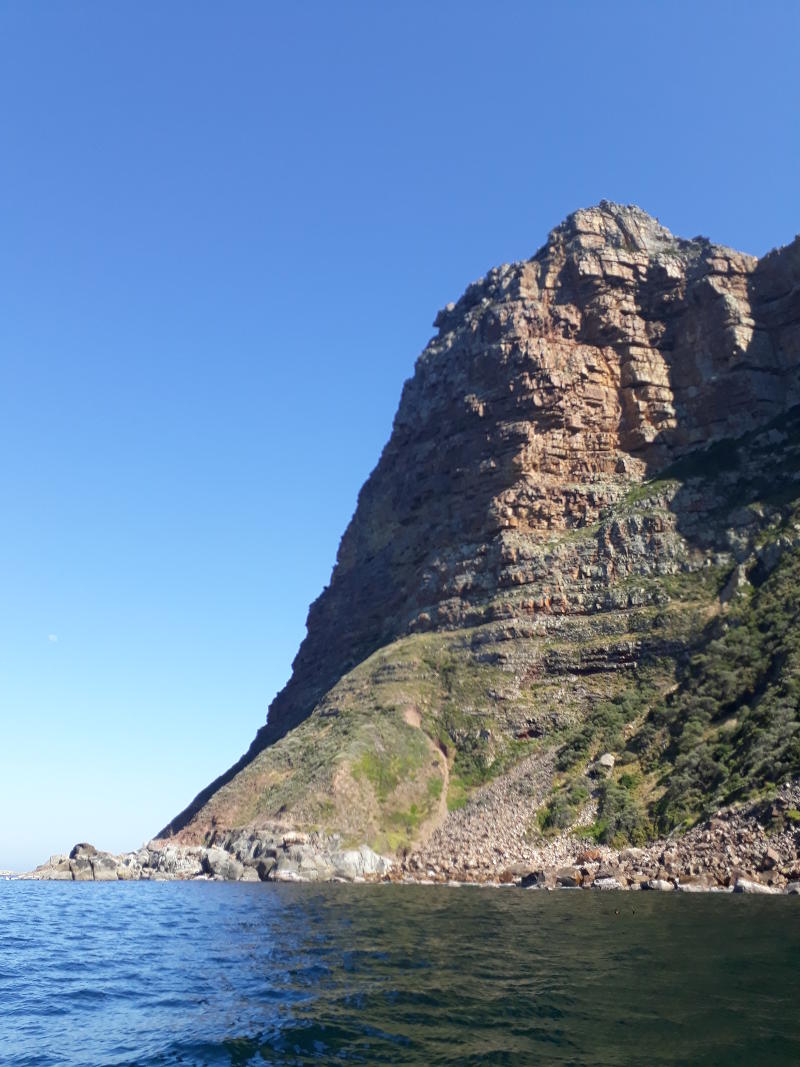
(727, 725)
(732, 728)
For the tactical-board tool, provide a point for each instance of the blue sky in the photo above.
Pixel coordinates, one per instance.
(226, 231)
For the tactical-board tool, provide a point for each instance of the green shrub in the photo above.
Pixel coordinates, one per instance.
(621, 818)
(603, 729)
(472, 763)
(564, 806)
(733, 725)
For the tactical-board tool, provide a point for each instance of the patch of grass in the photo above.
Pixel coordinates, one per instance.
(649, 488)
(383, 770)
(701, 584)
(408, 820)
(473, 764)
(457, 795)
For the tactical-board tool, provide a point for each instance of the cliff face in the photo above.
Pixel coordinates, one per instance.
(551, 385)
(504, 507)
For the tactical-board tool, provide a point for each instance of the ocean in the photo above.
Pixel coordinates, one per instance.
(219, 973)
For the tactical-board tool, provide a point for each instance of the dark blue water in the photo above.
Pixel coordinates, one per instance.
(215, 973)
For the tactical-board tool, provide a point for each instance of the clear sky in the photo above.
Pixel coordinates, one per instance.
(226, 230)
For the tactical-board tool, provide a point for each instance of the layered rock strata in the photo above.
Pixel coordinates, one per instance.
(552, 388)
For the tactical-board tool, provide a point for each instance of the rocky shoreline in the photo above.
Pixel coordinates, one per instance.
(262, 856)
(746, 849)
(753, 848)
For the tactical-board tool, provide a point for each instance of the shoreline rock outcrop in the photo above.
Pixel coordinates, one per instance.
(750, 848)
(277, 856)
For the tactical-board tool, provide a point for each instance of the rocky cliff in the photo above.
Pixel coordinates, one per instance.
(590, 481)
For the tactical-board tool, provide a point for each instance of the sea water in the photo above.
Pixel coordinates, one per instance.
(219, 973)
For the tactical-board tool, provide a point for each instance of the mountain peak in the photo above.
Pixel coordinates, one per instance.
(621, 226)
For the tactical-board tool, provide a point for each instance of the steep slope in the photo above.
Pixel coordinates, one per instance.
(515, 588)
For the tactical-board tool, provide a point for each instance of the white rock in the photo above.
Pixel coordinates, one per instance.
(606, 883)
(744, 885)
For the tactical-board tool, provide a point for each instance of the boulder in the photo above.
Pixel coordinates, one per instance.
(538, 880)
(82, 850)
(659, 885)
(294, 837)
(316, 868)
(633, 856)
(668, 859)
(606, 883)
(81, 869)
(179, 862)
(696, 883)
(590, 855)
(265, 867)
(770, 860)
(220, 864)
(735, 874)
(516, 870)
(127, 872)
(104, 867)
(298, 853)
(735, 584)
(607, 870)
(636, 880)
(569, 877)
(359, 863)
(744, 885)
(57, 869)
(285, 870)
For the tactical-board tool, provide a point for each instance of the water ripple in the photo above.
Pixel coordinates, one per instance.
(170, 973)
